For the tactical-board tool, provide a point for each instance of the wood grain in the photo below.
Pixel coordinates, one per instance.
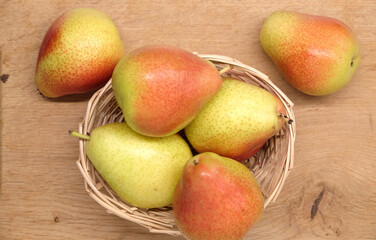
(330, 193)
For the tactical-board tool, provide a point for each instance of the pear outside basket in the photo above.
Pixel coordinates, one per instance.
(270, 166)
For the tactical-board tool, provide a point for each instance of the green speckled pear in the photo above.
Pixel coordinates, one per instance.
(142, 170)
(237, 122)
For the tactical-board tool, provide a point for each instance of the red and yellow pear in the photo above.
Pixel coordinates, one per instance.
(160, 89)
(216, 198)
(78, 54)
(318, 55)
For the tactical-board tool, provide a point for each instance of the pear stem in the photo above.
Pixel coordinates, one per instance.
(225, 69)
(79, 135)
(288, 120)
(195, 162)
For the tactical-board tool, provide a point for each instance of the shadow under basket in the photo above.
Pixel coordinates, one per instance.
(271, 165)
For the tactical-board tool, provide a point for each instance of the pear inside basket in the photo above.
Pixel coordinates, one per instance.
(270, 165)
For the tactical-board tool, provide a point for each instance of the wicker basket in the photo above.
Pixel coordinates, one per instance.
(270, 166)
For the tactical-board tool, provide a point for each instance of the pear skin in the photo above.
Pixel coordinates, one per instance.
(160, 88)
(216, 198)
(78, 54)
(142, 170)
(237, 121)
(317, 55)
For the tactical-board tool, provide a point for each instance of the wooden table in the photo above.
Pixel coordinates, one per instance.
(42, 195)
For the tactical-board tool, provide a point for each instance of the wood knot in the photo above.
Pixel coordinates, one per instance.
(4, 78)
(315, 205)
(56, 219)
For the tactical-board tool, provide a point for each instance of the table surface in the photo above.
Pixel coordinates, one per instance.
(42, 194)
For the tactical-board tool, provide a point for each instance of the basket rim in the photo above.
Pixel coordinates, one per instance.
(110, 205)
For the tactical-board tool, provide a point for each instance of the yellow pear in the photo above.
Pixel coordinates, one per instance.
(237, 121)
(142, 170)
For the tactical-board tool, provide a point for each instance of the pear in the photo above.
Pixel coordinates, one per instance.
(216, 198)
(78, 54)
(317, 55)
(161, 88)
(237, 122)
(142, 170)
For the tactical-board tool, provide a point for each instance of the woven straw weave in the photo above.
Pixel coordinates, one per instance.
(270, 166)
